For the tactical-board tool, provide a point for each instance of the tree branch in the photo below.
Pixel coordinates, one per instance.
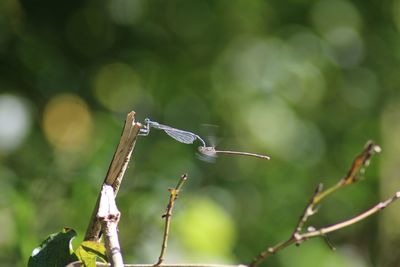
(359, 163)
(298, 237)
(325, 230)
(308, 212)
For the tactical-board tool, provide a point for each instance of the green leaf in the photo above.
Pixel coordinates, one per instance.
(56, 250)
(89, 251)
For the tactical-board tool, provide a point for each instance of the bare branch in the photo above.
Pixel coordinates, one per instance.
(361, 161)
(308, 211)
(174, 192)
(325, 230)
(298, 237)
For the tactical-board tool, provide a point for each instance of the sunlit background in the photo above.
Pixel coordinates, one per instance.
(306, 82)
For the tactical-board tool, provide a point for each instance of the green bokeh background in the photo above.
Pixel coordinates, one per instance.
(306, 82)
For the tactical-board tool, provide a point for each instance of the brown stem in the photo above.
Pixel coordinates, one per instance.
(361, 161)
(298, 237)
(174, 192)
(325, 230)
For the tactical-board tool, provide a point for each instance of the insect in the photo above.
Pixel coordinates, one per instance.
(186, 137)
(182, 136)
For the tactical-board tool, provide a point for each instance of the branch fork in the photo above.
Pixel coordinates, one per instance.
(298, 236)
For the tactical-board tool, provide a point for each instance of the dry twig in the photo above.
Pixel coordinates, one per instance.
(352, 176)
(174, 192)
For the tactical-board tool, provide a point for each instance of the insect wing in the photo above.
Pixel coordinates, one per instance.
(181, 136)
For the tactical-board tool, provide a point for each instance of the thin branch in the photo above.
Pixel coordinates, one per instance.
(174, 192)
(297, 237)
(325, 230)
(308, 211)
(109, 216)
(116, 170)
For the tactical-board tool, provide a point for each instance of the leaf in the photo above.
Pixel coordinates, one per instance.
(56, 250)
(89, 251)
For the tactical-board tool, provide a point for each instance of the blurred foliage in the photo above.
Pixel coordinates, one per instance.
(306, 82)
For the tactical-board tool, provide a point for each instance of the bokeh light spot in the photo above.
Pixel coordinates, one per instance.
(347, 45)
(327, 15)
(126, 12)
(340, 23)
(274, 124)
(67, 122)
(15, 122)
(396, 13)
(202, 236)
(117, 87)
(270, 66)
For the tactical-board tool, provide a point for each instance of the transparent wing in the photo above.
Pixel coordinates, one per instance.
(181, 136)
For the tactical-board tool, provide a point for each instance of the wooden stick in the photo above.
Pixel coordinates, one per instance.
(116, 170)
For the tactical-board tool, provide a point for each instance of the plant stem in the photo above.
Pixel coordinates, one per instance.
(174, 192)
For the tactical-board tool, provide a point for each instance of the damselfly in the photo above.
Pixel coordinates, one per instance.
(182, 136)
(187, 137)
